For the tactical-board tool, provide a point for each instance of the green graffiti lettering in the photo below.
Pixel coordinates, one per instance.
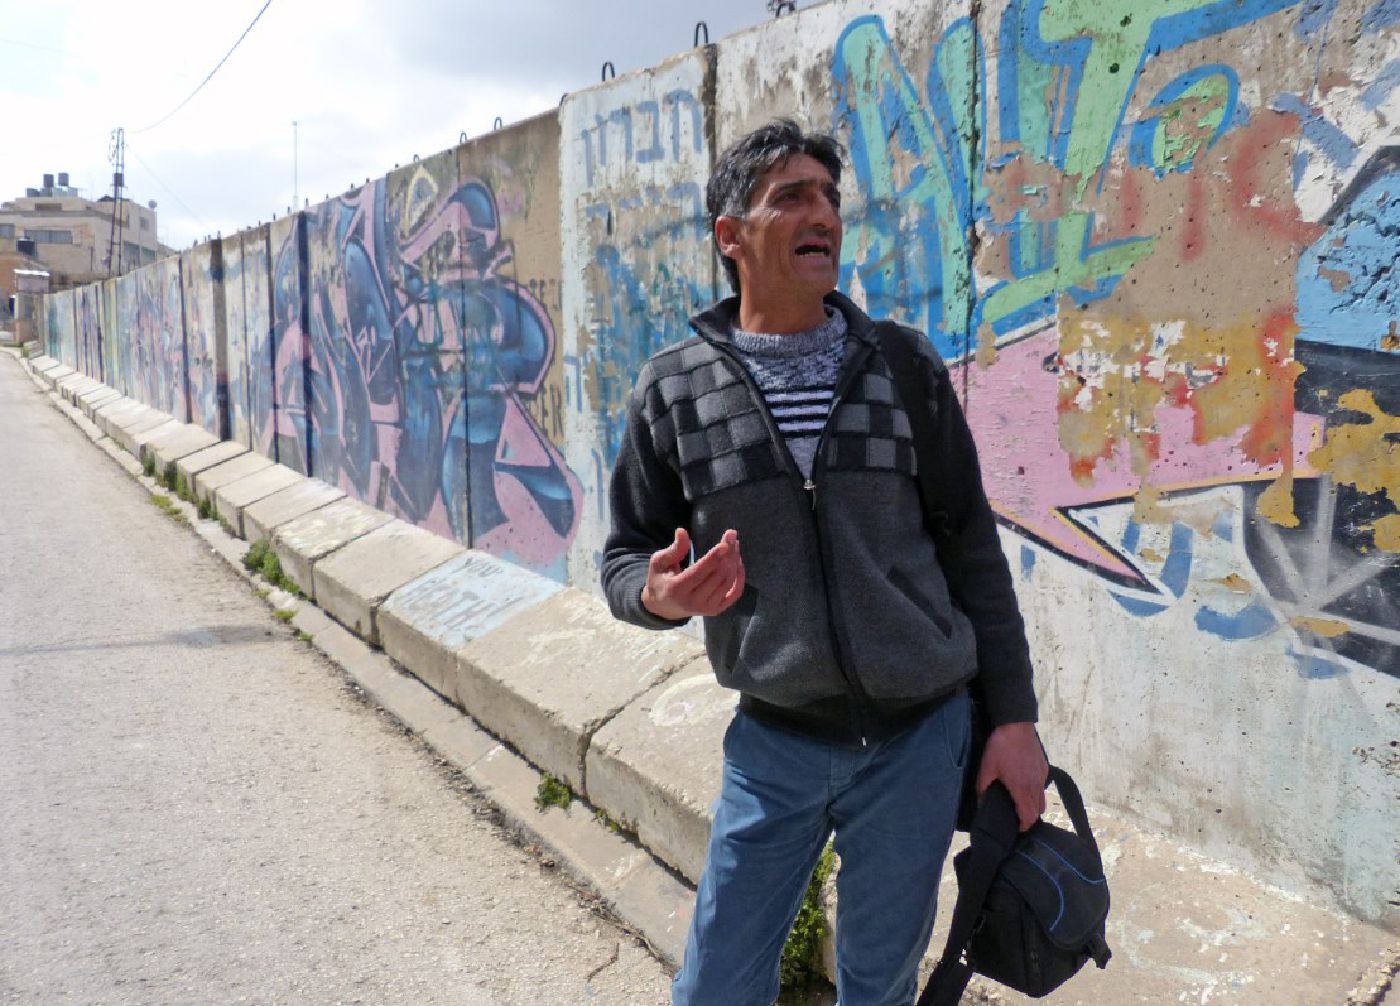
(1118, 44)
(1074, 265)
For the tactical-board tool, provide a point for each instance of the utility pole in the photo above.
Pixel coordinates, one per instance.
(117, 155)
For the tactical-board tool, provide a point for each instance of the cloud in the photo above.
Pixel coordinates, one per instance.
(369, 84)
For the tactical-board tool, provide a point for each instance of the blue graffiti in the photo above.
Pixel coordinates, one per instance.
(920, 158)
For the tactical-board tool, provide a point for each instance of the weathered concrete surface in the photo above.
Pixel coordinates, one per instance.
(126, 434)
(179, 442)
(656, 765)
(229, 471)
(140, 441)
(265, 515)
(117, 420)
(548, 678)
(54, 374)
(120, 410)
(352, 584)
(217, 453)
(302, 542)
(424, 623)
(232, 498)
(94, 400)
(77, 384)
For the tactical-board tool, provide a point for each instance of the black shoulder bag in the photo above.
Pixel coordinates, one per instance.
(1031, 908)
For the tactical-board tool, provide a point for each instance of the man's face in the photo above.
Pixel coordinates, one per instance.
(788, 245)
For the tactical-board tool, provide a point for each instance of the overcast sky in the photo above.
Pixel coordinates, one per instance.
(370, 83)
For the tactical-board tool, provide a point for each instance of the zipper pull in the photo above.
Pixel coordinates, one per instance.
(811, 487)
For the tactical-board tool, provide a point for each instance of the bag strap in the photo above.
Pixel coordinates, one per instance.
(993, 837)
(1074, 806)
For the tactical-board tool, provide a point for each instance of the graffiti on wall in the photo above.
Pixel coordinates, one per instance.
(236, 341)
(257, 327)
(89, 347)
(153, 341)
(425, 349)
(288, 427)
(645, 230)
(1162, 450)
(200, 275)
(60, 339)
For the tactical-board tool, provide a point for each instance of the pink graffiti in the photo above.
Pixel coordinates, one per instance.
(1027, 471)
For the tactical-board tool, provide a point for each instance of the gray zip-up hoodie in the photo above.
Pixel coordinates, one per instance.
(848, 627)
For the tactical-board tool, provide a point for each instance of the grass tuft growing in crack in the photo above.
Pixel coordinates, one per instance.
(260, 558)
(552, 793)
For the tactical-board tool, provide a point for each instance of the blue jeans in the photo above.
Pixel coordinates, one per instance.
(892, 806)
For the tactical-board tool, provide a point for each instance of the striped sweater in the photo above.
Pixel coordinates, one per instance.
(797, 375)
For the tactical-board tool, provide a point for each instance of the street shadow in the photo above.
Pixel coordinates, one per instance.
(196, 639)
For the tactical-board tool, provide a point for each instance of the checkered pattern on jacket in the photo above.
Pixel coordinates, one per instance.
(709, 426)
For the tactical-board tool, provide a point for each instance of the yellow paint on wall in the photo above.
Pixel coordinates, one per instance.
(1237, 379)
(1328, 628)
(1235, 584)
(1364, 455)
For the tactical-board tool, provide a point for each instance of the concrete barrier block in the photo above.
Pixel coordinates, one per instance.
(195, 462)
(179, 442)
(262, 517)
(139, 441)
(423, 624)
(94, 400)
(231, 499)
(353, 583)
(76, 389)
(126, 434)
(548, 678)
(656, 766)
(38, 363)
(122, 422)
(53, 375)
(232, 470)
(76, 384)
(302, 542)
(121, 410)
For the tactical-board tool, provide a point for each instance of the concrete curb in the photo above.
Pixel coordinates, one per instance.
(632, 721)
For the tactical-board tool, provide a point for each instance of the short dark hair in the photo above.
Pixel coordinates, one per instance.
(739, 168)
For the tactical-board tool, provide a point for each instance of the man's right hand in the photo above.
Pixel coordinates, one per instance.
(706, 587)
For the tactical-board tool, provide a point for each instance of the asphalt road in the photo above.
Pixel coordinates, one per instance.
(195, 807)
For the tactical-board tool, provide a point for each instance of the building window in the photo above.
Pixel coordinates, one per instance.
(48, 207)
(145, 224)
(50, 237)
(7, 230)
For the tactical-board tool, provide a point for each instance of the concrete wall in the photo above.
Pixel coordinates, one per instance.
(60, 327)
(289, 423)
(1155, 242)
(206, 352)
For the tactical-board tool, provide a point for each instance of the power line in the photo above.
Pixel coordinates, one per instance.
(171, 113)
(168, 190)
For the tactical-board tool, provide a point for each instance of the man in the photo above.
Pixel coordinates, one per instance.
(772, 446)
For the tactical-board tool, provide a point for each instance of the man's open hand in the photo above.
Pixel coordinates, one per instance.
(1014, 758)
(707, 587)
